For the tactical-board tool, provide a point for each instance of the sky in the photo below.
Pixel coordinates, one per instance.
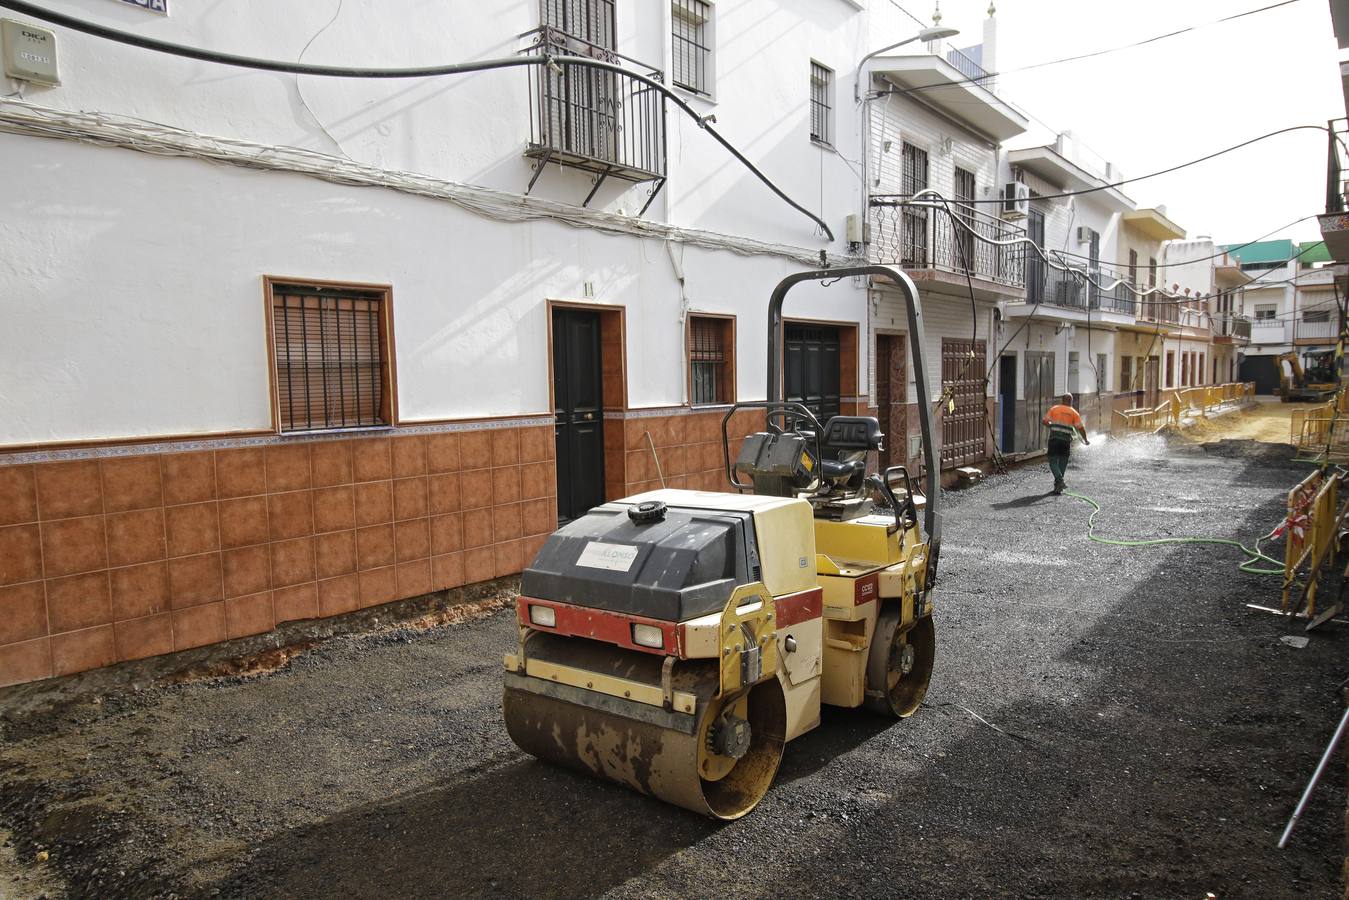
(1151, 107)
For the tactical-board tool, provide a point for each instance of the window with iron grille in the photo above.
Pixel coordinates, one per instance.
(691, 29)
(821, 103)
(591, 21)
(711, 360)
(331, 351)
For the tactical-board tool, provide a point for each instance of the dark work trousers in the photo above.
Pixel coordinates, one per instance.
(1058, 457)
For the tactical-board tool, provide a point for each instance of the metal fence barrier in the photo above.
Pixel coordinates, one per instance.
(1171, 410)
(1310, 533)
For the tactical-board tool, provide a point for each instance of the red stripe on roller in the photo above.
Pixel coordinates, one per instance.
(599, 625)
(799, 607)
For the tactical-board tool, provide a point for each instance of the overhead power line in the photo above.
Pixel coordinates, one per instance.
(295, 68)
(1081, 56)
(1166, 171)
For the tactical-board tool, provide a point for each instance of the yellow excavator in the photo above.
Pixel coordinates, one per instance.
(676, 640)
(1316, 383)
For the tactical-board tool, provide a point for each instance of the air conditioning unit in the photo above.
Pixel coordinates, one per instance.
(1083, 234)
(1015, 200)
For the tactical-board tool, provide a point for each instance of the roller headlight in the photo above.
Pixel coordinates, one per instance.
(544, 616)
(648, 636)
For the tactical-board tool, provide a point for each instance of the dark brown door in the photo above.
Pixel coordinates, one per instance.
(579, 410)
(892, 391)
(963, 427)
(811, 368)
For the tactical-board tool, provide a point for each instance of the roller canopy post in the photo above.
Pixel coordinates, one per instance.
(931, 457)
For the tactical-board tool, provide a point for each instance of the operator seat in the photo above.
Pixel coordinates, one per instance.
(847, 439)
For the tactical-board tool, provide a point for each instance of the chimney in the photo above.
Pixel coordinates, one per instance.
(989, 54)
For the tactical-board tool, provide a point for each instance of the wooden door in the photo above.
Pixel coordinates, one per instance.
(892, 394)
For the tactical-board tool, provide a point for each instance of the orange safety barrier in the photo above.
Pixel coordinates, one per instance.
(1309, 534)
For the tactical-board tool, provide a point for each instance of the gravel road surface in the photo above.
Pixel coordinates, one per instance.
(1102, 723)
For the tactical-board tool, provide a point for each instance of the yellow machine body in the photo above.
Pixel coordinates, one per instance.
(675, 641)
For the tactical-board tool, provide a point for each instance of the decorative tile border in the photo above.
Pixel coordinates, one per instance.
(257, 440)
(652, 412)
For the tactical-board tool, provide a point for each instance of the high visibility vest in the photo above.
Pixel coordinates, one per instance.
(1063, 422)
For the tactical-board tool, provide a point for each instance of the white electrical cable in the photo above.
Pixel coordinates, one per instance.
(26, 118)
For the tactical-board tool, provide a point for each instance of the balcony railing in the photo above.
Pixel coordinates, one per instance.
(1073, 290)
(1271, 331)
(1111, 297)
(1227, 325)
(1306, 330)
(604, 122)
(966, 66)
(923, 236)
(1158, 310)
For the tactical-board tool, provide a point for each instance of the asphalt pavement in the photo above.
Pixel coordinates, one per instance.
(1102, 723)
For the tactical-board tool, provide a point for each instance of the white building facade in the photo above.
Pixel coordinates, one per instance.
(284, 347)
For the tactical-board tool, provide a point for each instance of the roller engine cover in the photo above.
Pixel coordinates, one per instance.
(648, 559)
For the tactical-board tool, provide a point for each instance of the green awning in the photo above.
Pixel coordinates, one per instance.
(1316, 254)
(1263, 252)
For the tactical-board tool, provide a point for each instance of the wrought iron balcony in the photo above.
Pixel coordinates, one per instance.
(604, 122)
(1232, 327)
(1072, 289)
(922, 236)
(1117, 298)
(1158, 310)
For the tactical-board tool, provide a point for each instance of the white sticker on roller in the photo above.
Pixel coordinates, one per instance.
(599, 555)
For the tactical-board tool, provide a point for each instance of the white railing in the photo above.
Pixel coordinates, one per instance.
(1324, 330)
(1271, 332)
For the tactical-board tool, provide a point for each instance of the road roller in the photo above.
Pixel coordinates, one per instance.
(675, 641)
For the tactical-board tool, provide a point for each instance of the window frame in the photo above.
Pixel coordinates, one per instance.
(726, 392)
(708, 48)
(828, 104)
(388, 408)
(611, 6)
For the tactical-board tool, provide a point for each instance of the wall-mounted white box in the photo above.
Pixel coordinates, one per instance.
(29, 52)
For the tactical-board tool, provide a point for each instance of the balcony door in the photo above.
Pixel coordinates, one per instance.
(913, 243)
(1035, 266)
(964, 228)
(1094, 269)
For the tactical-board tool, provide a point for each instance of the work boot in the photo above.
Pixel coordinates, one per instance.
(1058, 485)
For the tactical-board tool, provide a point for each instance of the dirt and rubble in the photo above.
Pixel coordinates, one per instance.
(1267, 420)
(1102, 723)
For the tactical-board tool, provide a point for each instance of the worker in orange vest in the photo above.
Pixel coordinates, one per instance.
(1063, 422)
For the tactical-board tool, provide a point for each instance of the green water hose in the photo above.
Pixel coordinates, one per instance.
(1253, 555)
